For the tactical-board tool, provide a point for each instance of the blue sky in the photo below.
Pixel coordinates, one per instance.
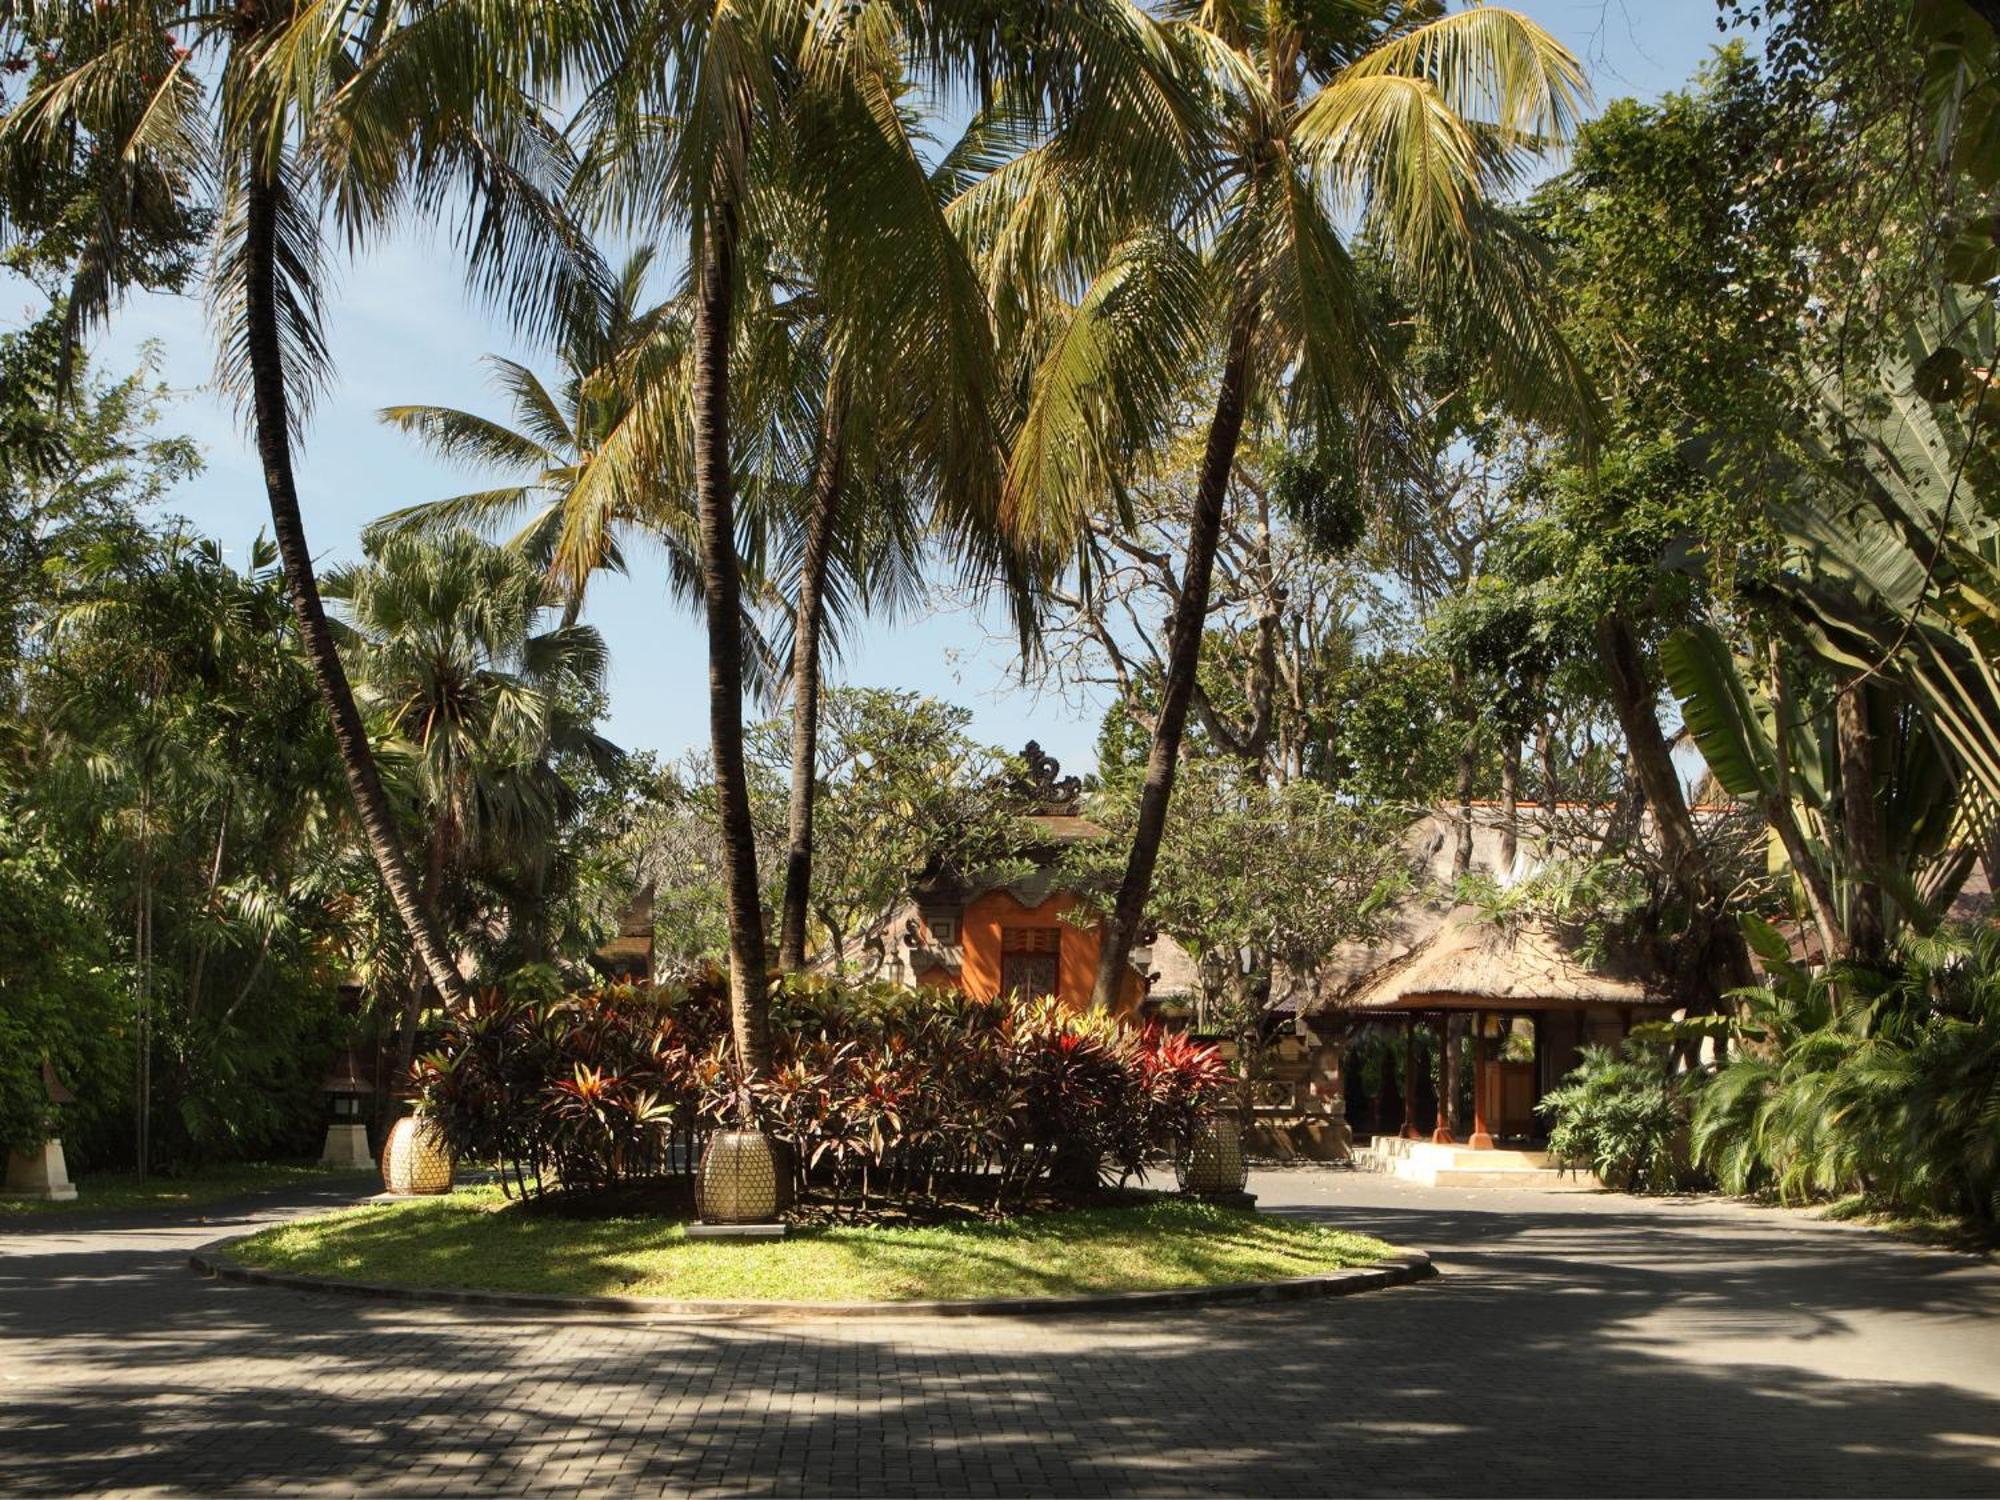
(404, 331)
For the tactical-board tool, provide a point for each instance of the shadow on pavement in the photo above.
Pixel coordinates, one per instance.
(1556, 1360)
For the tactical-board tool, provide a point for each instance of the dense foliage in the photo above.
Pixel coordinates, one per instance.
(1847, 1082)
(1449, 482)
(1835, 1081)
(1622, 1114)
(877, 1092)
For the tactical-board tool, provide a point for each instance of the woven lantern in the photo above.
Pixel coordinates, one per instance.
(739, 1179)
(1212, 1162)
(416, 1160)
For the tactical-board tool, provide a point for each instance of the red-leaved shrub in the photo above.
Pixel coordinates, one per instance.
(877, 1092)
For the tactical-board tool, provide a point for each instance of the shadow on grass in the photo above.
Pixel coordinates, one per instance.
(1558, 1361)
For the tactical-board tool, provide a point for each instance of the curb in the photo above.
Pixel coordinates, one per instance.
(1395, 1270)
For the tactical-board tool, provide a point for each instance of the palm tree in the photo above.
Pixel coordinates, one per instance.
(899, 345)
(479, 702)
(572, 448)
(1402, 121)
(367, 103)
(735, 82)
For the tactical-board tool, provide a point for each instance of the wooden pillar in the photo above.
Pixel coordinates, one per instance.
(1540, 1022)
(1441, 1134)
(1410, 1131)
(1482, 1139)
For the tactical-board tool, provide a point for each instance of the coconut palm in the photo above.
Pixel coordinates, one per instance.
(897, 345)
(1385, 120)
(369, 105)
(698, 125)
(571, 448)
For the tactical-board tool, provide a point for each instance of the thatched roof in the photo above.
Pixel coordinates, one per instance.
(1470, 963)
(1180, 975)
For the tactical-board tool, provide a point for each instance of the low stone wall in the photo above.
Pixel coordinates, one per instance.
(1292, 1138)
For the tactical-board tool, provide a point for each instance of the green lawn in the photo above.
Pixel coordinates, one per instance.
(100, 1192)
(470, 1239)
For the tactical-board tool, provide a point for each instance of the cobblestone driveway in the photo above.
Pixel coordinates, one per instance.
(1577, 1343)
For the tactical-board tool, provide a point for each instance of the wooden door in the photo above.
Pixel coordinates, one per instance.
(1031, 961)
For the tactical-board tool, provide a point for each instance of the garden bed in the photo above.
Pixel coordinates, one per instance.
(475, 1239)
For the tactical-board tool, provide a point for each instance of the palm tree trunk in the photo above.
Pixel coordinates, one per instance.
(1190, 618)
(808, 620)
(722, 601)
(274, 450)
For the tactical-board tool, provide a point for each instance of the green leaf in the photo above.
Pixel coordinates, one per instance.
(1719, 711)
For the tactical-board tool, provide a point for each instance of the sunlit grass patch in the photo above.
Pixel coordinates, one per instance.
(119, 1192)
(473, 1239)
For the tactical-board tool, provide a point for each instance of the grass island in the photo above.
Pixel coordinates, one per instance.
(476, 1239)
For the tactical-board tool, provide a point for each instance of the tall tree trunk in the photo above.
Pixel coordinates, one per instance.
(1725, 958)
(274, 451)
(1510, 804)
(1545, 755)
(1861, 821)
(1468, 771)
(722, 590)
(807, 628)
(1190, 618)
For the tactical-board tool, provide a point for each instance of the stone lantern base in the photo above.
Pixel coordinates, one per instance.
(346, 1146)
(41, 1173)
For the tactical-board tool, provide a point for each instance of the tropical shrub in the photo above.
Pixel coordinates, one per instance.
(1623, 1114)
(877, 1092)
(1845, 1081)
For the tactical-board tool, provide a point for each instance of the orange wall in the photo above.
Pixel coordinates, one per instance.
(979, 937)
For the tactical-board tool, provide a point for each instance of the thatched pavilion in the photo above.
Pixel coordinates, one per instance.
(1503, 973)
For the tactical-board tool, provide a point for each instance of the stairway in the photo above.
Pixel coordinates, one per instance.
(1434, 1165)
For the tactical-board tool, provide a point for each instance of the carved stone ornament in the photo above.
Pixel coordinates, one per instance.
(1045, 787)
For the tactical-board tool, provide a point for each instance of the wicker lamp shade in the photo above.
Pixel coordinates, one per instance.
(739, 1179)
(1213, 1160)
(416, 1160)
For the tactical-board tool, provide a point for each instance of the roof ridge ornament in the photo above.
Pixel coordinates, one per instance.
(1047, 791)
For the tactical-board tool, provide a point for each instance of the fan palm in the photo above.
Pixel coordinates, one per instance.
(368, 103)
(1894, 556)
(476, 699)
(1401, 123)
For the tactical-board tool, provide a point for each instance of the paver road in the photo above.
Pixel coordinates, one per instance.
(1577, 1343)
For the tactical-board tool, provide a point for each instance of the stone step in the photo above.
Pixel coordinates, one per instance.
(1452, 1156)
(1433, 1165)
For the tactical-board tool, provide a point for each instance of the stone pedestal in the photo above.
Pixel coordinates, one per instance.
(347, 1146)
(736, 1231)
(41, 1173)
